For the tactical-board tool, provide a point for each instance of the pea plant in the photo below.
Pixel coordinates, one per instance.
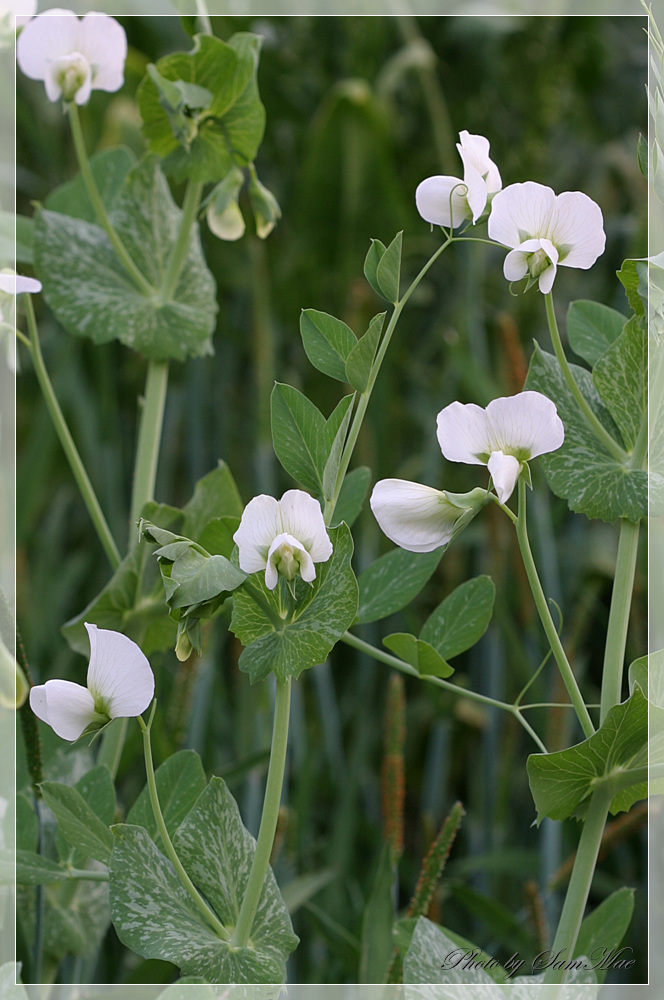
(115, 257)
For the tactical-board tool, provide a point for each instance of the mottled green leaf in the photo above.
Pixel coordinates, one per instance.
(92, 294)
(434, 958)
(180, 780)
(323, 612)
(327, 342)
(621, 378)
(109, 169)
(562, 781)
(360, 359)
(392, 581)
(462, 618)
(581, 471)
(421, 655)
(592, 327)
(630, 277)
(31, 869)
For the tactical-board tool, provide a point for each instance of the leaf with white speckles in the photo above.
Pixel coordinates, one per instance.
(92, 294)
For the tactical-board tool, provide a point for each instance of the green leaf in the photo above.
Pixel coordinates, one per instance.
(592, 328)
(388, 271)
(180, 780)
(31, 869)
(327, 342)
(648, 673)
(621, 378)
(192, 577)
(97, 788)
(461, 619)
(352, 495)
(435, 958)
(77, 822)
(581, 471)
(16, 235)
(323, 612)
(642, 155)
(377, 921)
(360, 359)
(92, 295)
(630, 278)
(216, 852)
(371, 262)
(200, 142)
(302, 888)
(421, 655)
(297, 426)
(109, 169)
(604, 928)
(332, 443)
(132, 601)
(215, 495)
(561, 781)
(392, 581)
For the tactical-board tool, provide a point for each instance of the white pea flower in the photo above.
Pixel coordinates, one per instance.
(509, 432)
(449, 201)
(120, 684)
(283, 537)
(419, 518)
(545, 230)
(11, 285)
(14, 14)
(73, 57)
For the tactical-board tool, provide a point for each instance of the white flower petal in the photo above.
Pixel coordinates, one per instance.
(259, 526)
(526, 424)
(477, 192)
(546, 279)
(119, 674)
(104, 45)
(577, 226)
(415, 517)
(227, 225)
(434, 197)
(504, 471)
(302, 517)
(474, 152)
(39, 702)
(49, 36)
(515, 265)
(463, 433)
(15, 284)
(69, 707)
(521, 211)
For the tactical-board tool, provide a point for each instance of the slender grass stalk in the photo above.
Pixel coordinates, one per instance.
(75, 463)
(208, 915)
(621, 599)
(545, 616)
(600, 432)
(270, 815)
(100, 209)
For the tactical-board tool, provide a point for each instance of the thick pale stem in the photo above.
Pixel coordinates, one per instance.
(192, 200)
(100, 209)
(210, 918)
(545, 616)
(593, 422)
(621, 599)
(76, 465)
(579, 886)
(275, 778)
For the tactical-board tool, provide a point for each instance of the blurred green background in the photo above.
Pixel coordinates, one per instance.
(359, 111)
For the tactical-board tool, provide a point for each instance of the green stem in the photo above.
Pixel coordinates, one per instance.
(100, 209)
(545, 616)
(67, 442)
(407, 668)
(596, 427)
(86, 875)
(582, 875)
(149, 437)
(208, 915)
(363, 403)
(621, 599)
(192, 200)
(204, 17)
(275, 777)
(112, 745)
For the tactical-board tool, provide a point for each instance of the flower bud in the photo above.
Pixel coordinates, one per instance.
(264, 206)
(223, 214)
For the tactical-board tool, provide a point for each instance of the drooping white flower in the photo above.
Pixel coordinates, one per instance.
(449, 201)
(11, 285)
(283, 537)
(509, 432)
(73, 57)
(545, 230)
(120, 684)
(419, 518)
